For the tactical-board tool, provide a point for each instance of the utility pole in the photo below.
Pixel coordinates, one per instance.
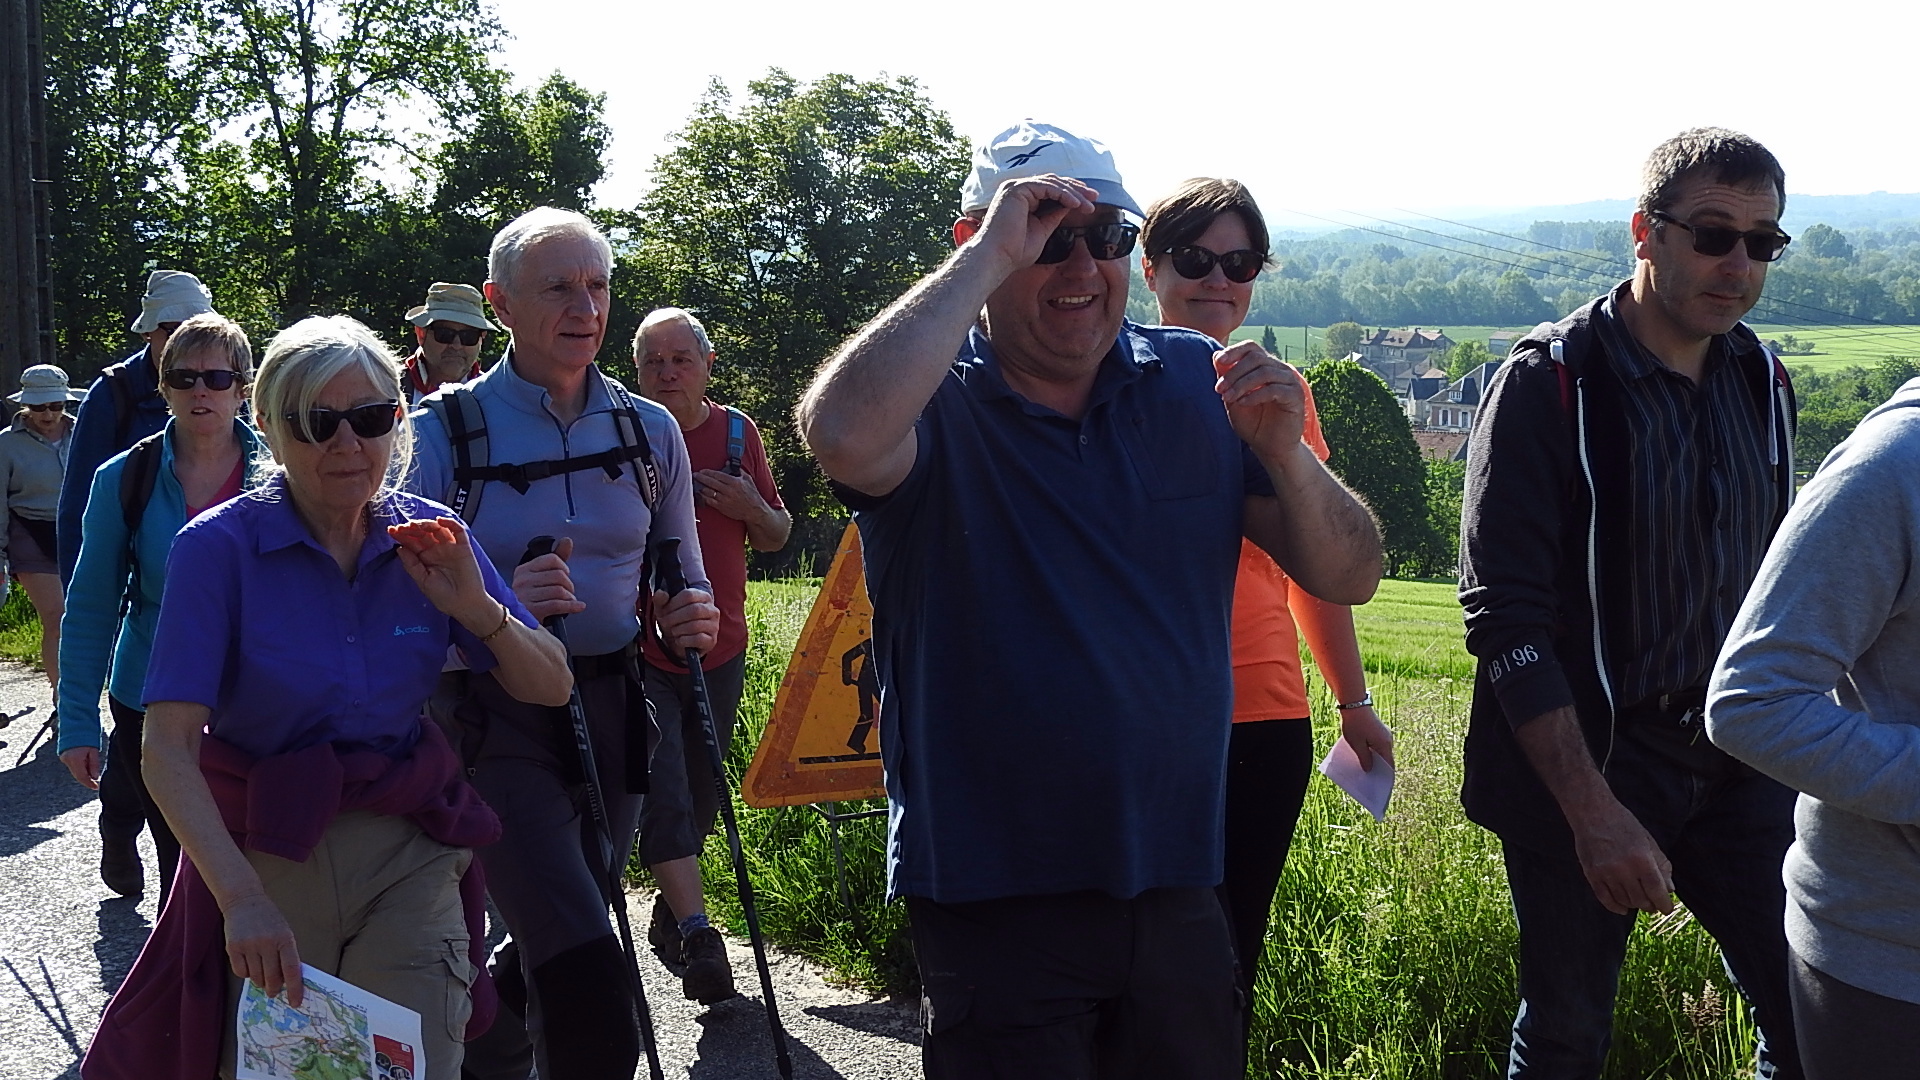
(26, 294)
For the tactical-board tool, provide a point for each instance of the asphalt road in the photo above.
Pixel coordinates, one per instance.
(66, 942)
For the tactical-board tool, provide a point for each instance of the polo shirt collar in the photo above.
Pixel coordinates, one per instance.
(516, 392)
(1636, 361)
(1131, 354)
(282, 528)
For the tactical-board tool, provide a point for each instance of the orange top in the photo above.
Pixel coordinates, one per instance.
(1267, 681)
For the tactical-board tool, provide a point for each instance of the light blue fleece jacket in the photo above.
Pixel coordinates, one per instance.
(92, 635)
(1818, 686)
(606, 516)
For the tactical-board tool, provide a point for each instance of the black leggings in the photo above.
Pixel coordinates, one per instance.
(125, 784)
(1268, 765)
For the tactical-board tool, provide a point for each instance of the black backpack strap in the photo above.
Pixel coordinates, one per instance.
(522, 477)
(119, 380)
(137, 477)
(736, 439)
(460, 414)
(633, 437)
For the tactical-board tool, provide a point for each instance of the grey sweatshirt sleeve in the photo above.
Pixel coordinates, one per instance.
(1818, 684)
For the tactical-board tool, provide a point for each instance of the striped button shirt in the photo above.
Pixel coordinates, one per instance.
(1702, 506)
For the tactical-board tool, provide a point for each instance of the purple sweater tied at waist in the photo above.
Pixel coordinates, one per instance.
(165, 1021)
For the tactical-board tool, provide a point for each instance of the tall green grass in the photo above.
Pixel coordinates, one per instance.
(1391, 955)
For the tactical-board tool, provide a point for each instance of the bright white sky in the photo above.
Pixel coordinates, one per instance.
(1330, 105)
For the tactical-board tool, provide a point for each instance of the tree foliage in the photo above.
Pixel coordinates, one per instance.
(1833, 403)
(1343, 339)
(1464, 357)
(1374, 453)
(785, 221)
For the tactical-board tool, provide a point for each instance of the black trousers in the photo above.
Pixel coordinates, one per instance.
(125, 805)
(1268, 765)
(1078, 986)
(1846, 1032)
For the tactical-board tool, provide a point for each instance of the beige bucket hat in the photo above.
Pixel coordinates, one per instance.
(453, 302)
(172, 296)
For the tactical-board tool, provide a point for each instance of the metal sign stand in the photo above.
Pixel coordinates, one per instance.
(834, 818)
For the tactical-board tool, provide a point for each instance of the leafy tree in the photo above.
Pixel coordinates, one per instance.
(317, 85)
(1516, 301)
(1825, 241)
(1343, 339)
(1446, 483)
(1373, 451)
(1464, 357)
(1269, 342)
(127, 94)
(786, 220)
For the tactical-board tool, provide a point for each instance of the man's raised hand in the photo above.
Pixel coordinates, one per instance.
(1023, 215)
(1266, 402)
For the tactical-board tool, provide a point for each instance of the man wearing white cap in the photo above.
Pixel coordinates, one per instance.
(1051, 502)
(122, 407)
(449, 331)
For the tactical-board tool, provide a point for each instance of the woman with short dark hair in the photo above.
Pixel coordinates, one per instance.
(1203, 246)
(324, 819)
(201, 459)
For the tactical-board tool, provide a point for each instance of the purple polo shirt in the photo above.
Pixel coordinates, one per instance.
(259, 625)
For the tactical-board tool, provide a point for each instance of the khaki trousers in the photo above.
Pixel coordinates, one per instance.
(378, 904)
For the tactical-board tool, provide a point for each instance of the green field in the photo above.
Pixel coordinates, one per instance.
(1391, 955)
(1834, 347)
(1291, 348)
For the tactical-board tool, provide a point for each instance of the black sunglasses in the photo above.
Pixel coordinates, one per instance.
(1713, 241)
(1241, 265)
(1107, 241)
(466, 335)
(367, 421)
(47, 406)
(216, 379)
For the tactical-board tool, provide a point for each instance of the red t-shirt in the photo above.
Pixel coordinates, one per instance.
(723, 540)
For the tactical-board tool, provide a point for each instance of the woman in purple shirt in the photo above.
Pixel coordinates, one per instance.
(304, 625)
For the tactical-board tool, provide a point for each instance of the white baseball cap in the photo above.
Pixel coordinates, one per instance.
(172, 296)
(1030, 148)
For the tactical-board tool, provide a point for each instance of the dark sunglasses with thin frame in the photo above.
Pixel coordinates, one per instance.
(47, 406)
(1713, 241)
(1240, 265)
(1106, 241)
(368, 421)
(466, 335)
(215, 378)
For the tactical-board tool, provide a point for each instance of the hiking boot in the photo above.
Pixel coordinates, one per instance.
(709, 977)
(120, 866)
(663, 933)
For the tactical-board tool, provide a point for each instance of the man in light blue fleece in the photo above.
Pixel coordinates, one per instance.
(1818, 686)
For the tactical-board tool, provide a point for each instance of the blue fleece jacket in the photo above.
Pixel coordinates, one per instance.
(95, 439)
(92, 634)
(1818, 688)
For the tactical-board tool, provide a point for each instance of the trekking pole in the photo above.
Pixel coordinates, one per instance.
(667, 574)
(610, 880)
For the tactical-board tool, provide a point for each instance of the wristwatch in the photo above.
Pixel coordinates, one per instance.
(1366, 701)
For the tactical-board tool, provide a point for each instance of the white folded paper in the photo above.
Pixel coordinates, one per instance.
(1370, 788)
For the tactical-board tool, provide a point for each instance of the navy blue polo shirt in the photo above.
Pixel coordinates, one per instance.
(1051, 605)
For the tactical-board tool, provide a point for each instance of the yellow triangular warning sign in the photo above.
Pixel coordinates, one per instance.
(822, 743)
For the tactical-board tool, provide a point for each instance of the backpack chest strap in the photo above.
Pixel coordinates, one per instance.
(520, 477)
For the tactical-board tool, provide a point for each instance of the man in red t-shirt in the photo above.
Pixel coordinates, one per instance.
(735, 504)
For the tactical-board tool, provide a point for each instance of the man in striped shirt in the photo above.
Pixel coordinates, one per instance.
(1630, 465)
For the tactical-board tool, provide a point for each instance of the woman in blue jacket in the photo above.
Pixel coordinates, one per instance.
(207, 456)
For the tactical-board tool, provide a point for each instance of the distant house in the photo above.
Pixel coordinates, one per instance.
(1455, 407)
(1500, 342)
(1442, 445)
(1399, 356)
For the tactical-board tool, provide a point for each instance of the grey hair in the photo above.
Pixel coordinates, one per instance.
(671, 314)
(311, 353)
(537, 224)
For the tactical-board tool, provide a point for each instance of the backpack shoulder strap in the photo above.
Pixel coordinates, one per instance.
(633, 435)
(137, 478)
(119, 380)
(458, 410)
(736, 438)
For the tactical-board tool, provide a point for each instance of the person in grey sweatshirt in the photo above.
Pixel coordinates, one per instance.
(1818, 687)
